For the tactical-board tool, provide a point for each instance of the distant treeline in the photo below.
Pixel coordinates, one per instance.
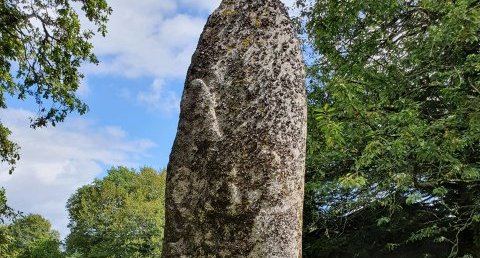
(120, 215)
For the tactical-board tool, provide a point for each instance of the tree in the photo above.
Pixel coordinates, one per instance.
(42, 46)
(121, 215)
(393, 160)
(29, 237)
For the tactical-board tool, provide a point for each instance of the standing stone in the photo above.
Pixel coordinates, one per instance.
(236, 172)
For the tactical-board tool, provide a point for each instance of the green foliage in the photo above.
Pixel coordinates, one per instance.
(29, 237)
(7, 243)
(393, 149)
(42, 248)
(121, 215)
(42, 46)
(6, 213)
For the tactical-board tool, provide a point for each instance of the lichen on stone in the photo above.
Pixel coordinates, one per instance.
(236, 171)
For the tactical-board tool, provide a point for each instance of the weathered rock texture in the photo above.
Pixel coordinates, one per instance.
(236, 172)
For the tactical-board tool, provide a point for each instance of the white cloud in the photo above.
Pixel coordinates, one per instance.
(208, 5)
(56, 161)
(158, 97)
(289, 3)
(147, 38)
(84, 89)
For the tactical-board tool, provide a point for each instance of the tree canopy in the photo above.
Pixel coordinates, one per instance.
(29, 236)
(121, 215)
(393, 160)
(42, 46)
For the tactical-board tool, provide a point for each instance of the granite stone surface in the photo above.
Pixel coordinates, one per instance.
(236, 172)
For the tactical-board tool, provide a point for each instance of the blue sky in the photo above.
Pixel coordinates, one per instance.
(133, 95)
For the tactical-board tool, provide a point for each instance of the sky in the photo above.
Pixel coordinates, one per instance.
(133, 96)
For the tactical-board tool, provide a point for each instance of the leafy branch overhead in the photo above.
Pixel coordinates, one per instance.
(42, 46)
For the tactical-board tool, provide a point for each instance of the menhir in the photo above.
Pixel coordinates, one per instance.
(236, 172)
